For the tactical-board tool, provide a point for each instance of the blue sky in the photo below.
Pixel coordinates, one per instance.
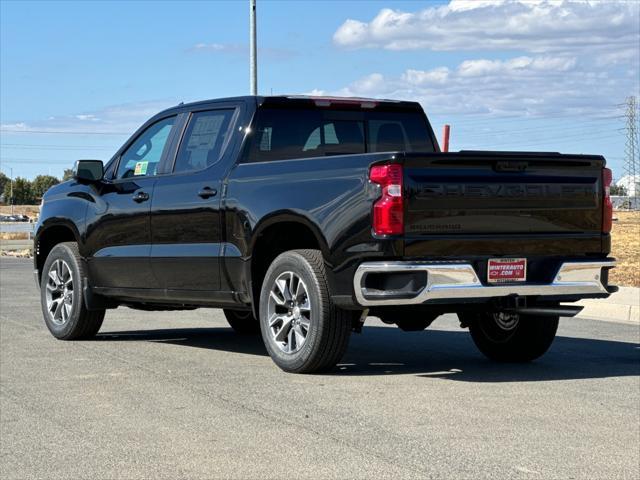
(76, 78)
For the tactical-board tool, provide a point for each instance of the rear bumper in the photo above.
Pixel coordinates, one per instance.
(459, 281)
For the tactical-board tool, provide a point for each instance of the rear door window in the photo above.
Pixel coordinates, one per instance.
(204, 141)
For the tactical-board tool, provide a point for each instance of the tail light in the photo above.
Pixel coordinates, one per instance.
(388, 211)
(607, 208)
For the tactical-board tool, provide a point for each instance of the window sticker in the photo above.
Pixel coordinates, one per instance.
(141, 168)
(205, 132)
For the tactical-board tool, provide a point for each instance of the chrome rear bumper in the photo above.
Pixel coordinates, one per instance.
(460, 281)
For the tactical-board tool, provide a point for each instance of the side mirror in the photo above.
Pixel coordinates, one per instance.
(88, 170)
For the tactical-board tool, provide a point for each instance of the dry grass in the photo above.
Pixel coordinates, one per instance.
(16, 253)
(626, 248)
(30, 211)
(14, 236)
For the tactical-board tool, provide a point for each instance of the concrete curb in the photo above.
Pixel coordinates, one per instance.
(623, 306)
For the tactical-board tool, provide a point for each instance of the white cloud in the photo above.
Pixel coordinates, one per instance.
(420, 77)
(582, 56)
(537, 85)
(116, 119)
(220, 47)
(599, 28)
(524, 65)
(242, 49)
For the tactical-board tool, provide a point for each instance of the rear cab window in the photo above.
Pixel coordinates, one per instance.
(287, 133)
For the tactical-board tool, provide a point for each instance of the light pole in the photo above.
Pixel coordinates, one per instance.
(11, 190)
(253, 52)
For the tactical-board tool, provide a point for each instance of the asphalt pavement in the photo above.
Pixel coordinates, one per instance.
(179, 395)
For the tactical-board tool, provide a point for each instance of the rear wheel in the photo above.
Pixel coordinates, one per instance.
(242, 322)
(511, 337)
(303, 330)
(61, 296)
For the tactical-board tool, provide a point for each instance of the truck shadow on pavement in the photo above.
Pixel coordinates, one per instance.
(429, 354)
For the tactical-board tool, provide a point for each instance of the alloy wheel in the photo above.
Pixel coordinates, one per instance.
(289, 312)
(59, 292)
(506, 321)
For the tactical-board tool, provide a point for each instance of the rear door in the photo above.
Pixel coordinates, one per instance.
(185, 212)
(119, 237)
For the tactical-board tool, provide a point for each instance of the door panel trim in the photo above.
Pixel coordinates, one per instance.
(188, 250)
(171, 250)
(205, 298)
(124, 251)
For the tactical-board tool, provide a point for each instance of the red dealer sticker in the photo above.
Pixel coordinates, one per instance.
(507, 270)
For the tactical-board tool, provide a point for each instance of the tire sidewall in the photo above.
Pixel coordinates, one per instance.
(242, 322)
(294, 262)
(62, 252)
(530, 339)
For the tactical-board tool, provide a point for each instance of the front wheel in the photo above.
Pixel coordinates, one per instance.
(511, 337)
(65, 313)
(303, 330)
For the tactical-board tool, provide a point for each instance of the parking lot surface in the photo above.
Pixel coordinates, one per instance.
(180, 395)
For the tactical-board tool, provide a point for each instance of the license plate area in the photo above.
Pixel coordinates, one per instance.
(503, 270)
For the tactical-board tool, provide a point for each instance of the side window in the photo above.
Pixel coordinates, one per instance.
(204, 140)
(144, 154)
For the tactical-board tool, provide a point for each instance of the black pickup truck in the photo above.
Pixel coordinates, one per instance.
(301, 216)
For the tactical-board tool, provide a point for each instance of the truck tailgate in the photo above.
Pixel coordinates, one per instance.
(530, 197)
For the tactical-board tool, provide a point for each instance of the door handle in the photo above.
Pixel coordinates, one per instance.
(207, 192)
(140, 197)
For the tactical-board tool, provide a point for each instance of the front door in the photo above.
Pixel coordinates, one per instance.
(185, 212)
(119, 238)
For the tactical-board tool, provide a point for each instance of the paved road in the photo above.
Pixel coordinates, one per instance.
(179, 395)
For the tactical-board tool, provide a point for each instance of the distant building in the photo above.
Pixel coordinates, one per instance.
(631, 184)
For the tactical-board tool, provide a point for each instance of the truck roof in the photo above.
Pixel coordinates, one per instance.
(306, 100)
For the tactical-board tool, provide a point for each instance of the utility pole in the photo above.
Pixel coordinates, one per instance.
(253, 54)
(11, 190)
(631, 163)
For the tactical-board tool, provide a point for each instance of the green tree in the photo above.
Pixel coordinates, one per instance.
(67, 175)
(3, 181)
(22, 192)
(42, 183)
(618, 190)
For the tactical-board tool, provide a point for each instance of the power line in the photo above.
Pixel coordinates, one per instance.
(43, 145)
(542, 131)
(483, 119)
(548, 140)
(60, 132)
(35, 161)
(55, 149)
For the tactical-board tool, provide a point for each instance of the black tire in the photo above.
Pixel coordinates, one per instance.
(519, 338)
(80, 322)
(243, 322)
(329, 327)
